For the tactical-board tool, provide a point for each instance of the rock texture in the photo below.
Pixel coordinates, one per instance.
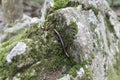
(90, 32)
(19, 49)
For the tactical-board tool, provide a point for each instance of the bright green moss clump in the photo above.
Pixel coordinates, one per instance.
(60, 4)
(63, 4)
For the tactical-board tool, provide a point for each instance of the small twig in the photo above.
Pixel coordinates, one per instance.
(62, 42)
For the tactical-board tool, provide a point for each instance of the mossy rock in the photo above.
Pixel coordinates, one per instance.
(44, 49)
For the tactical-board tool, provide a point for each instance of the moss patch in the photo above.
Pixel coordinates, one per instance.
(86, 76)
(114, 72)
(74, 69)
(109, 25)
(95, 10)
(73, 3)
(60, 4)
(44, 49)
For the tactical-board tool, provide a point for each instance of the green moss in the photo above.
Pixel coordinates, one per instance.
(50, 51)
(109, 25)
(73, 3)
(87, 75)
(71, 78)
(66, 3)
(74, 28)
(10, 25)
(6, 69)
(113, 73)
(5, 47)
(60, 4)
(69, 34)
(95, 10)
(73, 70)
(91, 57)
(16, 39)
(44, 47)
